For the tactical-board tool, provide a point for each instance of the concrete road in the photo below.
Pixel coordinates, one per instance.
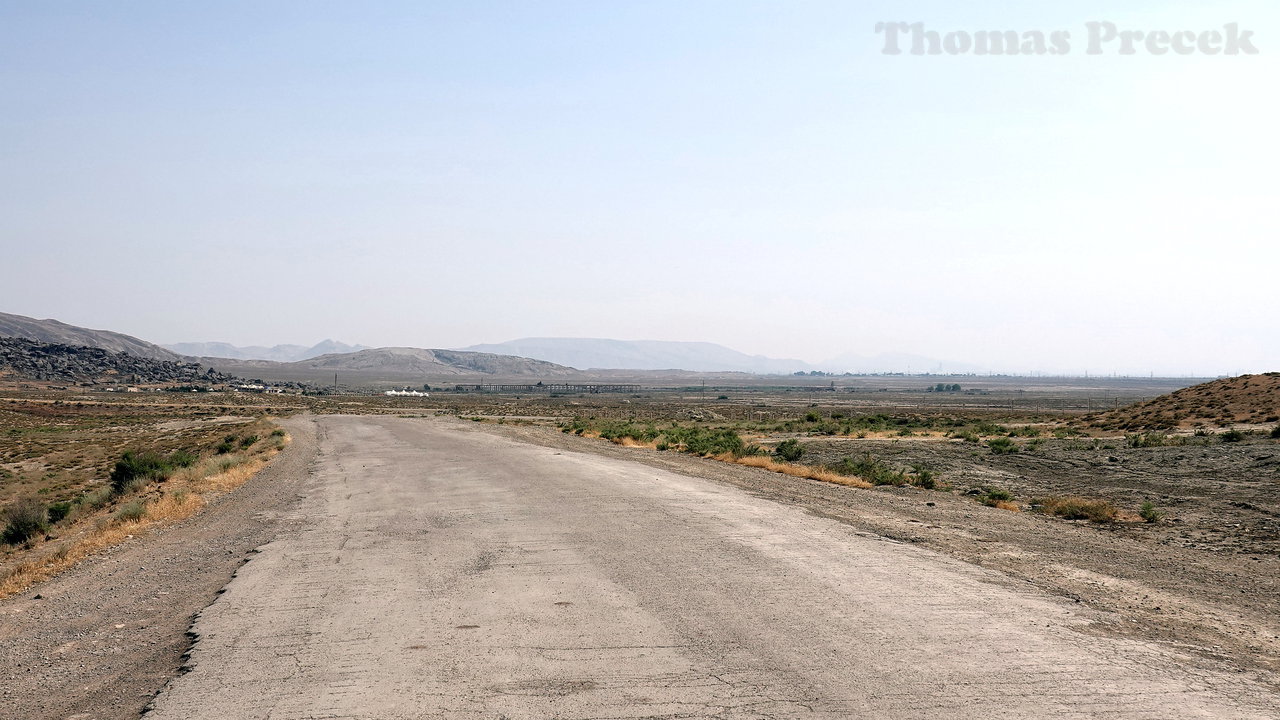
(439, 571)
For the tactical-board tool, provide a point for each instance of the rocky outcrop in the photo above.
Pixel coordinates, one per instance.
(52, 331)
(25, 359)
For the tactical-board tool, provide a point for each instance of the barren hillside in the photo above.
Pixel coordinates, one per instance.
(1248, 399)
(53, 331)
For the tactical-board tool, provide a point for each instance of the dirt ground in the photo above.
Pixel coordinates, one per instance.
(1204, 579)
(97, 642)
(1200, 597)
(1216, 497)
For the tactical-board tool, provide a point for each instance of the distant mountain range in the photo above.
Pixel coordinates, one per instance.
(276, 353)
(527, 357)
(604, 354)
(52, 331)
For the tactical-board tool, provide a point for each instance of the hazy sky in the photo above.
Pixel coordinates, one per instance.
(757, 174)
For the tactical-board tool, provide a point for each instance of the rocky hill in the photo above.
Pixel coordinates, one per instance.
(54, 332)
(23, 359)
(435, 363)
(1248, 399)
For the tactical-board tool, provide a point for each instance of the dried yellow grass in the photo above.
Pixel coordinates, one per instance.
(186, 492)
(796, 470)
(1008, 505)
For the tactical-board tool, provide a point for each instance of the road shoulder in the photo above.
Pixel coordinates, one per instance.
(100, 640)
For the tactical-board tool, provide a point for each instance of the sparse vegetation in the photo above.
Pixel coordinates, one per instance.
(1077, 508)
(130, 511)
(789, 450)
(1147, 440)
(997, 498)
(871, 469)
(1002, 446)
(1232, 436)
(134, 470)
(23, 520)
(1149, 513)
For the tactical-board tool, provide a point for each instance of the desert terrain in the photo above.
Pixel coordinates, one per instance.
(1176, 551)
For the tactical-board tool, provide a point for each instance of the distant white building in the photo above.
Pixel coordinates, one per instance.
(405, 393)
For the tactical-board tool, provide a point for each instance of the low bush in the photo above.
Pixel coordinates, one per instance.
(135, 468)
(706, 441)
(923, 477)
(1078, 508)
(1232, 436)
(789, 450)
(59, 510)
(1275, 432)
(996, 497)
(249, 440)
(1002, 446)
(871, 469)
(1149, 513)
(1147, 440)
(182, 459)
(130, 512)
(26, 518)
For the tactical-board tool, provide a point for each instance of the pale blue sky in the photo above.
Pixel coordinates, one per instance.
(757, 174)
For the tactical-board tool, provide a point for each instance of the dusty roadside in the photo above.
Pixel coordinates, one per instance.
(1219, 607)
(98, 641)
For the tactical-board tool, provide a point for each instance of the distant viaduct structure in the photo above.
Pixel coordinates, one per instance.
(549, 388)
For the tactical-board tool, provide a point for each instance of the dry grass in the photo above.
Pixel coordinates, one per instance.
(1079, 508)
(796, 470)
(1007, 505)
(184, 494)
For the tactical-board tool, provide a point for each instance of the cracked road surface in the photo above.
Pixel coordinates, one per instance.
(435, 570)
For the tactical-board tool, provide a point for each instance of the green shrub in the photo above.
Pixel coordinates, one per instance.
(248, 440)
(994, 496)
(870, 469)
(790, 450)
(1149, 513)
(182, 459)
(706, 441)
(1232, 436)
(277, 433)
(1002, 446)
(135, 467)
(923, 477)
(59, 510)
(24, 519)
